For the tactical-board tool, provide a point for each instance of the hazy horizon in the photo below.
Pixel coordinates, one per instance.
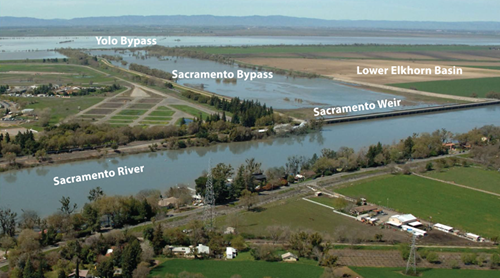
(391, 10)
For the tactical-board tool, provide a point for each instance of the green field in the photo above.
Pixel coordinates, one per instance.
(336, 48)
(162, 113)
(386, 272)
(120, 121)
(458, 87)
(326, 201)
(461, 208)
(158, 118)
(154, 123)
(124, 118)
(62, 107)
(73, 74)
(190, 110)
(130, 112)
(298, 214)
(470, 176)
(247, 269)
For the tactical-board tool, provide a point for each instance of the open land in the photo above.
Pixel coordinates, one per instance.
(226, 269)
(376, 272)
(476, 177)
(428, 198)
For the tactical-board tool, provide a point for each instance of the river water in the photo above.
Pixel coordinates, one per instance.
(34, 188)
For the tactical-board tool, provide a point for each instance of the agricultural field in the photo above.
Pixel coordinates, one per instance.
(462, 208)
(336, 48)
(51, 73)
(298, 214)
(247, 269)
(458, 87)
(190, 110)
(476, 177)
(385, 272)
(59, 108)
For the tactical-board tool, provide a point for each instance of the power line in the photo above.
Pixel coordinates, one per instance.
(412, 258)
(209, 202)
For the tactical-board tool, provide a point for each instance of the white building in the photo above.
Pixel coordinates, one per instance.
(203, 249)
(403, 219)
(443, 228)
(289, 257)
(231, 253)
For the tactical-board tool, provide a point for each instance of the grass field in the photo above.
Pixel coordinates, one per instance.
(385, 272)
(154, 123)
(247, 269)
(162, 113)
(124, 118)
(130, 112)
(62, 107)
(336, 48)
(470, 176)
(462, 208)
(190, 110)
(158, 118)
(326, 201)
(458, 87)
(73, 73)
(298, 214)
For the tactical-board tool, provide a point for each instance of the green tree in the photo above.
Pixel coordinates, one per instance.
(158, 241)
(105, 269)
(28, 271)
(131, 257)
(95, 194)
(66, 207)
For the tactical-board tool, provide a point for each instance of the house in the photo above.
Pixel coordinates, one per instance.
(82, 274)
(229, 230)
(169, 202)
(203, 249)
(449, 145)
(398, 220)
(289, 257)
(231, 253)
(181, 251)
(299, 177)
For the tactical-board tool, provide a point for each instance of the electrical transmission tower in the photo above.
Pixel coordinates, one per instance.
(209, 208)
(412, 258)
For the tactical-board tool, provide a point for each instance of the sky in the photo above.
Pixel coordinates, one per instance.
(407, 10)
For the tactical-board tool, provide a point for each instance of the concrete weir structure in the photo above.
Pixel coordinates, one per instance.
(409, 112)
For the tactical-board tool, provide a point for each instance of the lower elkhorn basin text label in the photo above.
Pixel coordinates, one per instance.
(122, 171)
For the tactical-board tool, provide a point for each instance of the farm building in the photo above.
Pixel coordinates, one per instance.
(443, 228)
(473, 237)
(413, 230)
(363, 209)
(403, 219)
(289, 257)
(181, 251)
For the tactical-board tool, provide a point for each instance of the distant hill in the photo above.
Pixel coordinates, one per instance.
(250, 21)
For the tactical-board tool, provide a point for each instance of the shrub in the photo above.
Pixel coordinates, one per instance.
(469, 258)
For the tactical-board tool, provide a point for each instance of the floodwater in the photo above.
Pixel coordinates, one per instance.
(34, 188)
(13, 44)
(280, 92)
